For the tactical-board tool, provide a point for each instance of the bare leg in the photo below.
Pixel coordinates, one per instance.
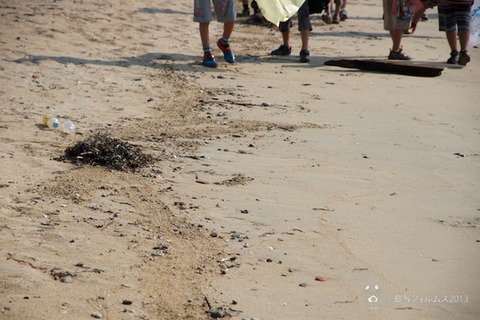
(304, 34)
(204, 35)
(464, 58)
(464, 37)
(337, 9)
(228, 29)
(396, 36)
(452, 40)
(286, 38)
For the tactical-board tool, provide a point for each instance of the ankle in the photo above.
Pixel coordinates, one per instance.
(224, 42)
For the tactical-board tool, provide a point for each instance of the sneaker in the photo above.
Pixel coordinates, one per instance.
(327, 18)
(343, 15)
(336, 19)
(453, 57)
(304, 55)
(245, 13)
(398, 55)
(464, 58)
(283, 50)
(227, 53)
(209, 61)
(255, 7)
(424, 17)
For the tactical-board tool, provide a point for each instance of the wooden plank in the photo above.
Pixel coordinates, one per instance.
(395, 67)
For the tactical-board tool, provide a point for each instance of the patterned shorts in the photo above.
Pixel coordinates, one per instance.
(450, 18)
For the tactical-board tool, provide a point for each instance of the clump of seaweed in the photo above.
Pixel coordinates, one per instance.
(101, 149)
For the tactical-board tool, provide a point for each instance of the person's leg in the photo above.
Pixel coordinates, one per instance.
(395, 28)
(396, 52)
(396, 36)
(228, 29)
(255, 7)
(304, 35)
(204, 33)
(285, 49)
(304, 26)
(304, 53)
(224, 44)
(208, 57)
(226, 13)
(448, 24)
(327, 16)
(336, 15)
(463, 18)
(245, 11)
(343, 11)
(202, 14)
(452, 40)
(463, 37)
(286, 38)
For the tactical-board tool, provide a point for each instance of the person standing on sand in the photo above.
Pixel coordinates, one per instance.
(246, 11)
(454, 18)
(304, 26)
(225, 12)
(340, 13)
(395, 25)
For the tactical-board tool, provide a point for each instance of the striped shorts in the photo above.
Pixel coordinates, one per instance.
(450, 18)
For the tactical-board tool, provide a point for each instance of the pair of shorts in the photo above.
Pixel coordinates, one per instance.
(303, 20)
(389, 20)
(451, 18)
(224, 10)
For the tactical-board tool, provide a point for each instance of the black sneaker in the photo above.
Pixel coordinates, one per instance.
(464, 58)
(283, 50)
(245, 13)
(304, 55)
(453, 57)
(255, 7)
(398, 55)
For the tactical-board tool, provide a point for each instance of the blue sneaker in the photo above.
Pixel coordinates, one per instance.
(209, 61)
(227, 53)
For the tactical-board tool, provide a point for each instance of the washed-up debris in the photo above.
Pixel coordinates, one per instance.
(63, 276)
(101, 149)
(217, 313)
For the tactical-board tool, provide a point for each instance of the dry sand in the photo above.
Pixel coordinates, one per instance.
(268, 172)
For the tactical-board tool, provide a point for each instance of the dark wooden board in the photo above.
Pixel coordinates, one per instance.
(396, 67)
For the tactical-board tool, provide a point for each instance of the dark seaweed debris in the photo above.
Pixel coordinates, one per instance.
(101, 149)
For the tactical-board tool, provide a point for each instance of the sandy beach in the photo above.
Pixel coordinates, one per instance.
(278, 189)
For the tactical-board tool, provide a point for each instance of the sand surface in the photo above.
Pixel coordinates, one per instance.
(268, 173)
